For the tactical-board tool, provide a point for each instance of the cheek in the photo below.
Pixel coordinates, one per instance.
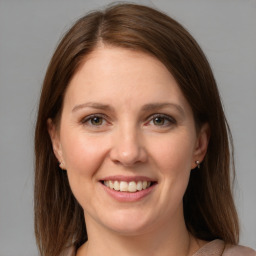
(173, 154)
(82, 154)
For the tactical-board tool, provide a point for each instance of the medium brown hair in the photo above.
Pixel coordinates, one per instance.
(208, 204)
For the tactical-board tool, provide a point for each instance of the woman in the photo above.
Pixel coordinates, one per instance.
(132, 141)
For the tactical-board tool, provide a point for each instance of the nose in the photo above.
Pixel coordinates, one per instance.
(127, 148)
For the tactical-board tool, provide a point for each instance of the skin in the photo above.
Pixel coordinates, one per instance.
(126, 138)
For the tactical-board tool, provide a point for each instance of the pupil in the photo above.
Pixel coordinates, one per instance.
(97, 121)
(159, 121)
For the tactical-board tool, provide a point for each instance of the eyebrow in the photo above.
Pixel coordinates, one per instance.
(92, 105)
(145, 108)
(157, 106)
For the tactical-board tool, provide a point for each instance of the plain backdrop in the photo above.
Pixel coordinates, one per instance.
(29, 32)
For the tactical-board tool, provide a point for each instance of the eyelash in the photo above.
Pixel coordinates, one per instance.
(89, 118)
(170, 120)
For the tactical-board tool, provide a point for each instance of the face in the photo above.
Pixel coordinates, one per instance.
(127, 139)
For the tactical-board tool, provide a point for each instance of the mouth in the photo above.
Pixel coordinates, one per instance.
(128, 186)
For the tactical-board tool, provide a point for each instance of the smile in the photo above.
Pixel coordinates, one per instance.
(124, 186)
(128, 188)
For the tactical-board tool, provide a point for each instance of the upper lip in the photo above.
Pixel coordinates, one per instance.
(128, 178)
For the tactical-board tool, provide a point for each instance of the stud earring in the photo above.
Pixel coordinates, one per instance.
(61, 166)
(198, 164)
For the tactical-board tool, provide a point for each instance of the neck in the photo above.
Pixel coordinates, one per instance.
(166, 240)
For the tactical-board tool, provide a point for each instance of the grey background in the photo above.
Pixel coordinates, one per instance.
(29, 32)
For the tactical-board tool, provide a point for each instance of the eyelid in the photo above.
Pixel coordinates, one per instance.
(84, 120)
(169, 118)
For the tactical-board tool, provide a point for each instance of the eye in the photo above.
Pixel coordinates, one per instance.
(159, 120)
(94, 120)
(162, 120)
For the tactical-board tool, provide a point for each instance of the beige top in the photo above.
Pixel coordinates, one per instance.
(218, 247)
(214, 248)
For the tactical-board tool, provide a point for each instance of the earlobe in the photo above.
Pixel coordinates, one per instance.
(54, 135)
(201, 145)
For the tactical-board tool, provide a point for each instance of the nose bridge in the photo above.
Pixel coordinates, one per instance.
(128, 147)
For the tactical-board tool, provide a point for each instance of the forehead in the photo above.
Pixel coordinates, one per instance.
(115, 62)
(115, 74)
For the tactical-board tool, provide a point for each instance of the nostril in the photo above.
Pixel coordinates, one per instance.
(128, 151)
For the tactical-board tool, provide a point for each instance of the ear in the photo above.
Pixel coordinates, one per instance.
(201, 145)
(56, 145)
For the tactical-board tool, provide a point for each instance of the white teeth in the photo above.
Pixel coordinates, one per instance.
(144, 185)
(116, 185)
(124, 186)
(139, 185)
(111, 184)
(132, 187)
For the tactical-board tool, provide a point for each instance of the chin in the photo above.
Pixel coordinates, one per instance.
(128, 223)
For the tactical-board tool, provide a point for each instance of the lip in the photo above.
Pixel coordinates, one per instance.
(128, 196)
(128, 178)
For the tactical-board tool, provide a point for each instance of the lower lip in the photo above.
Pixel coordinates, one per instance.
(128, 196)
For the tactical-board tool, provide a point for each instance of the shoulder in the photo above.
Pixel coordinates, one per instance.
(219, 248)
(237, 250)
